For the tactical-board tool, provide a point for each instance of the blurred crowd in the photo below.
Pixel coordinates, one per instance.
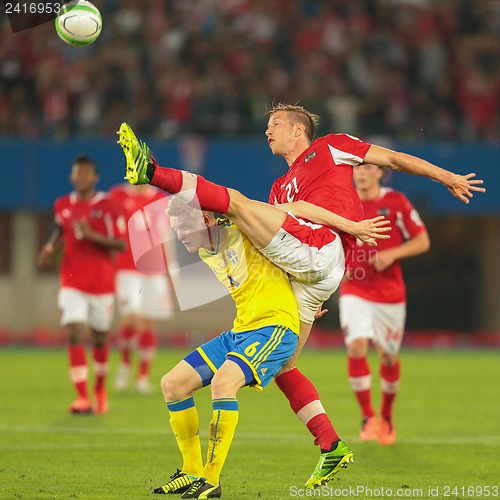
(410, 69)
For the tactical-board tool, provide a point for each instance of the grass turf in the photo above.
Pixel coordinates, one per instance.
(447, 416)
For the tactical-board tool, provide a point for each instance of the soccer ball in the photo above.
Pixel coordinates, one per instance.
(79, 22)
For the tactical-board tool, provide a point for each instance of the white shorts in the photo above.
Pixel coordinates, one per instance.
(147, 295)
(382, 323)
(315, 273)
(79, 307)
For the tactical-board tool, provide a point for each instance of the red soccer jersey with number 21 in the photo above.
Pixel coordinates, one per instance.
(322, 175)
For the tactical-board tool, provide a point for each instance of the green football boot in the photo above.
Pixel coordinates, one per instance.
(329, 464)
(137, 156)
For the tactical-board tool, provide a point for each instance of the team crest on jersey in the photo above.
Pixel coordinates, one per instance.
(231, 255)
(310, 156)
(96, 214)
(383, 211)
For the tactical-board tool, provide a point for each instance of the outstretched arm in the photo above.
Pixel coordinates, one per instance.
(460, 186)
(367, 230)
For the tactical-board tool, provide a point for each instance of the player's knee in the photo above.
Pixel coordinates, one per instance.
(288, 366)
(171, 388)
(357, 348)
(75, 333)
(223, 387)
(99, 339)
(237, 202)
(388, 359)
(219, 384)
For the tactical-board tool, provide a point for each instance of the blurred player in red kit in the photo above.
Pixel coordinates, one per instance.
(86, 226)
(373, 299)
(143, 298)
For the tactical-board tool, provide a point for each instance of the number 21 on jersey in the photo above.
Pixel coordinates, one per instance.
(291, 190)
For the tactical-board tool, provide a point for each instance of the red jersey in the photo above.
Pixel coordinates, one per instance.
(363, 280)
(322, 175)
(86, 265)
(128, 200)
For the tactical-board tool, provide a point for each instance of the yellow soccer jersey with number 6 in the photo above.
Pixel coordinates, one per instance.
(261, 290)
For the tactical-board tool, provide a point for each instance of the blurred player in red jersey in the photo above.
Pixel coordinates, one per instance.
(373, 299)
(314, 196)
(143, 298)
(86, 225)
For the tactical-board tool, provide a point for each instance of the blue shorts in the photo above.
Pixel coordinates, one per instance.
(259, 353)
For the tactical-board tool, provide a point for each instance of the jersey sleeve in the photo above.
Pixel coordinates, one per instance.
(408, 219)
(346, 149)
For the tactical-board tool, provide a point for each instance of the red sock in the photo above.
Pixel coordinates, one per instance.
(101, 365)
(360, 379)
(304, 400)
(125, 340)
(147, 351)
(389, 379)
(78, 369)
(209, 196)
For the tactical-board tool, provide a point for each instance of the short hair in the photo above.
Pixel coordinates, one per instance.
(85, 159)
(178, 208)
(300, 115)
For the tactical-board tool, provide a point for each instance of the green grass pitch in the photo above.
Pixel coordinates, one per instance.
(447, 417)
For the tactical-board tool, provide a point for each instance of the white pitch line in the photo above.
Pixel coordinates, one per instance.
(135, 431)
(469, 440)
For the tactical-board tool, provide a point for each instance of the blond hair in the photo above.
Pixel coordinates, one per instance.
(299, 115)
(178, 208)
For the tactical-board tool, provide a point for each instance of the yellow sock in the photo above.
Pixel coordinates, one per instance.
(222, 427)
(185, 424)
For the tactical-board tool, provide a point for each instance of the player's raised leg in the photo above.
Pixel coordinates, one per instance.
(259, 221)
(178, 386)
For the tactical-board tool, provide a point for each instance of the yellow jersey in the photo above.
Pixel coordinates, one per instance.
(261, 290)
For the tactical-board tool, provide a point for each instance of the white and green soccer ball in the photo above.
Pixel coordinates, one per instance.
(79, 22)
